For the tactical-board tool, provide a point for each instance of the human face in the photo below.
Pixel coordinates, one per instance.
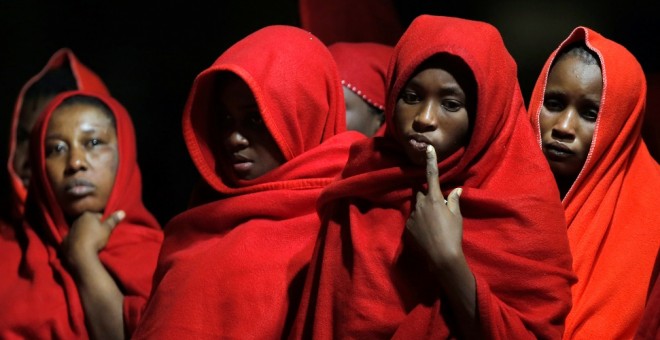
(431, 110)
(568, 116)
(81, 158)
(248, 149)
(360, 116)
(29, 113)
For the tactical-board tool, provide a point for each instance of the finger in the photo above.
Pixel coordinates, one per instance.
(453, 202)
(114, 219)
(432, 174)
(419, 199)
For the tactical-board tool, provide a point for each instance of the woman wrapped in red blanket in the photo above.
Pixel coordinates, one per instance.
(89, 246)
(587, 110)
(261, 125)
(394, 261)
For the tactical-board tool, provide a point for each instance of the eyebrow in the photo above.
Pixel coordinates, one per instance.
(453, 89)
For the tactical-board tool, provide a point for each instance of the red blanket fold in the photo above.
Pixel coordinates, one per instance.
(40, 299)
(365, 281)
(234, 267)
(611, 209)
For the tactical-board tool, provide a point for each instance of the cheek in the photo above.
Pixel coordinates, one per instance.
(402, 119)
(546, 122)
(54, 171)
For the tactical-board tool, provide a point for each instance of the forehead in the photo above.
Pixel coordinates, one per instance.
(79, 116)
(573, 69)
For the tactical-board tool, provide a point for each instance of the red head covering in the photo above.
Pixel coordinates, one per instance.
(364, 282)
(611, 209)
(363, 68)
(85, 79)
(233, 267)
(41, 297)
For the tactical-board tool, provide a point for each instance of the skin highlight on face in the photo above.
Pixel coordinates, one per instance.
(432, 109)
(81, 158)
(247, 148)
(568, 116)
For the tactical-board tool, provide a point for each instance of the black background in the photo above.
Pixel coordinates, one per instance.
(148, 56)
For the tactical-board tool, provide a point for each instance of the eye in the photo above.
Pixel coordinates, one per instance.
(409, 97)
(256, 119)
(553, 104)
(452, 105)
(55, 149)
(590, 114)
(93, 142)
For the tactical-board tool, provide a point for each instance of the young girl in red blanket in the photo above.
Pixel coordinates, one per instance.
(587, 110)
(261, 125)
(88, 247)
(392, 259)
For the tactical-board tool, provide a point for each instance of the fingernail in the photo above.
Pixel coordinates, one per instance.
(459, 192)
(429, 148)
(121, 214)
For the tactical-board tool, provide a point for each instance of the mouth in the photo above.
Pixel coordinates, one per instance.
(79, 188)
(419, 142)
(557, 151)
(241, 163)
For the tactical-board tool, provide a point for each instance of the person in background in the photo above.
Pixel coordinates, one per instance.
(266, 128)
(363, 69)
(587, 110)
(88, 245)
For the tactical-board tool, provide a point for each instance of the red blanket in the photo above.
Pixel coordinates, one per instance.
(364, 280)
(611, 209)
(39, 298)
(233, 268)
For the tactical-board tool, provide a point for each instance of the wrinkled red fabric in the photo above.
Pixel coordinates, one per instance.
(649, 326)
(346, 20)
(611, 208)
(39, 298)
(363, 69)
(364, 279)
(233, 268)
(85, 78)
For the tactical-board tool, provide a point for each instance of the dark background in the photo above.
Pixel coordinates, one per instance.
(149, 56)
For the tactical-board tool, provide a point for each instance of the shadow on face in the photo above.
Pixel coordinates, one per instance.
(360, 115)
(245, 145)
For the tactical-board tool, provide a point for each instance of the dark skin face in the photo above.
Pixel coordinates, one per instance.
(360, 116)
(29, 113)
(568, 117)
(432, 109)
(81, 158)
(248, 149)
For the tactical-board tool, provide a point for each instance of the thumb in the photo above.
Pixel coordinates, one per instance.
(453, 201)
(114, 219)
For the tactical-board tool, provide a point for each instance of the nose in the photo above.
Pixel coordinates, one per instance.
(236, 141)
(426, 119)
(564, 127)
(77, 160)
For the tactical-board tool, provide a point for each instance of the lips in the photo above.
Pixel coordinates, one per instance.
(419, 142)
(557, 151)
(79, 187)
(241, 163)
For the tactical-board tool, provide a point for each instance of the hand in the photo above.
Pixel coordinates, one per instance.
(435, 226)
(89, 235)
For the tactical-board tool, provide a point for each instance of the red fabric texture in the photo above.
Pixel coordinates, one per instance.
(611, 208)
(363, 69)
(85, 78)
(233, 268)
(649, 326)
(40, 298)
(346, 20)
(365, 281)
